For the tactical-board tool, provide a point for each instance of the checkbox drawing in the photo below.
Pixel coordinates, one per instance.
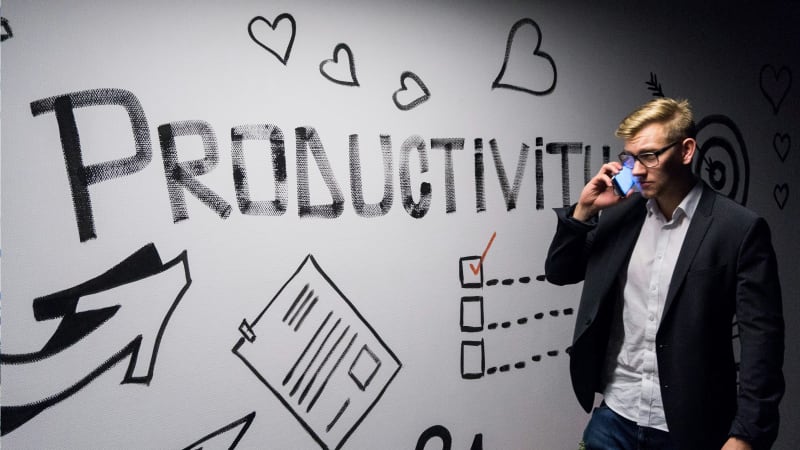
(470, 279)
(473, 359)
(471, 314)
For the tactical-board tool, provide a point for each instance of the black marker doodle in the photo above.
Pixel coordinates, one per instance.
(6, 29)
(775, 85)
(222, 438)
(256, 24)
(654, 86)
(781, 143)
(356, 188)
(82, 176)
(83, 311)
(537, 53)
(405, 105)
(441, 432)
(565, 149)
(721, 161)
(510, 194)
(182, 175)
(307, 138)
(274, 134)
(416, 210)
(448, 145)
(781, 194)
(335, 63)
(318, 355)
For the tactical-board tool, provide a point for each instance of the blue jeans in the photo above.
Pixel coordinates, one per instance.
(608, 430)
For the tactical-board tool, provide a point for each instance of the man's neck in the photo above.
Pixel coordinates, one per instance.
(669, 202)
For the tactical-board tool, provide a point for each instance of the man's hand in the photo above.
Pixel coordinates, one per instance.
(734, 443)
(598, 193)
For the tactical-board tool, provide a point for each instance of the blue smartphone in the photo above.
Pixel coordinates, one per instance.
(623, 181)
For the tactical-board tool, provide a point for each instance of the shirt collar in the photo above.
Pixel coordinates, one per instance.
(687, 207)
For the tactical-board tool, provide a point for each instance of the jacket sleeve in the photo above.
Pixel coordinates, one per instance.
(569, 250)
(761, 335)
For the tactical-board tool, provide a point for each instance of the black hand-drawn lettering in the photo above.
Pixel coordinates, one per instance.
(6, 29)
(82, 176)
(781, 143)
(781, 194)
(564, 149)
(307, 138)
(356, 185)
(335, 63)
(775, 85)
(435, 431)
(318, 355)
(480, 190)
(537, 53)
(257, 24)
(448, 145)
(78, 320)
(539, 174)
(654, 86)
(720, 160)
(510, 194)
(182, 175)
(415, 210)
(222, 437)
(408, 105)
(263, 132)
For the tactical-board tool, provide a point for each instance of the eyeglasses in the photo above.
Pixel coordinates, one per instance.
(648, 159)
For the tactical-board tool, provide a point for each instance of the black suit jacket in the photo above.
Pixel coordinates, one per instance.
(726, 268)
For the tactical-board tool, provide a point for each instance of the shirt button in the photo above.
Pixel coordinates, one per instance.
(652, 317)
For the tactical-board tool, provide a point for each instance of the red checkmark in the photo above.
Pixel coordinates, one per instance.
(477, 269)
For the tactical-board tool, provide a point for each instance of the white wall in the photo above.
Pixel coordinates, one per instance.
(214, 344)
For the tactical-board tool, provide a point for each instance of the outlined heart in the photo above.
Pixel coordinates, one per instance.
(6, 33)
(335, 61)
(775, 84)
(537, 52)
(782, 143)
(426, 94)
(781, 194)
(256, 26)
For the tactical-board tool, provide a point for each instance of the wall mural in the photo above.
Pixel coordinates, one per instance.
(310, 357)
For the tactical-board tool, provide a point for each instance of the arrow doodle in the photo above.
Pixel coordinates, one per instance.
(140, 281)
(221, 439)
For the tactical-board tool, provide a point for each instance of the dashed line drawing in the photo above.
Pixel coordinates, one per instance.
(312, 349)
(504, 368)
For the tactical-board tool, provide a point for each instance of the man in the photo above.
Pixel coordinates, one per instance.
(666, 272)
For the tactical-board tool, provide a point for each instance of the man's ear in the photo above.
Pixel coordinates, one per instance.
(688, 147)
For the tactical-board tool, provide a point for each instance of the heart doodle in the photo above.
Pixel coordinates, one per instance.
(256, 25)
(6, 34)
(537, 52)
(334, 62)
(781, 194)
(426, 94)
(775, 85)
(782, 143)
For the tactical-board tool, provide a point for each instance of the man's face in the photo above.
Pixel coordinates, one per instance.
(672, 163)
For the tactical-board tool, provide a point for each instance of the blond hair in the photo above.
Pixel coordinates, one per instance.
(676, 115)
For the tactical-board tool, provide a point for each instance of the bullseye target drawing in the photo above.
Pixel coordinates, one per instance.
(721, 157)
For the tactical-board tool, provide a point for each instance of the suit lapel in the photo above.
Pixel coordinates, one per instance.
(691, 244)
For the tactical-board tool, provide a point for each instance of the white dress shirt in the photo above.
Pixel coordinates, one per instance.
(632, 384)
